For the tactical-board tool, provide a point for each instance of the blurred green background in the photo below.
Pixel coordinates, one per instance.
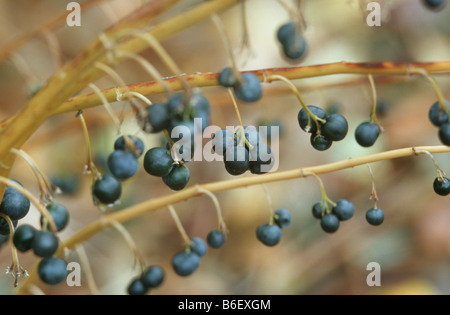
(412, 246)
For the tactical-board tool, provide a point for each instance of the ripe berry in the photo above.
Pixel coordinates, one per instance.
(437, 115)
(320, 143)
(335, 128)
(248, 88)
(442, 187)
(236, 159)
(158, 162)
(227, 78)
(318, 210)
(375, 216)
(4, 226)
(435, 4)
(152, 277)
(185, 263)
(215, 238)
(293, 43)
(286, 31)
(23, 237)
(122, 164)
(137, 287)
(158, 118)
(136, 146)
(14, 204)
(177, 178)
(198, 246)
(344, 210)
(367, 133)
(52, 270)
(59, 214)
(67, 183)
(269, 234)
(295, 47)
(221, 139)
(282, 218)
(44, 244)
(106, 190)
(261, 159)
(330, 223)
(308, 124)
(444, 133)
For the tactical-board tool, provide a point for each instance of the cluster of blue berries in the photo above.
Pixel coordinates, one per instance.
(43, 242)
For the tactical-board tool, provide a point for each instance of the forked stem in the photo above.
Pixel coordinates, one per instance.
(294, 89)
(325, 199)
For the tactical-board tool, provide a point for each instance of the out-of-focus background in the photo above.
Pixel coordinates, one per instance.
(412, 246)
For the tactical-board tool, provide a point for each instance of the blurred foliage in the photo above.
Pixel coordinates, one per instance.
(412, 246)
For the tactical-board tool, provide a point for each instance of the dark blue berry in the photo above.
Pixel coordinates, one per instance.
(175, 105)
(236, 160)
(177, 178)
(185, 263)
(221, 139)
(320, 143)
(122, 164)
(106, 190)
(344, 210)
(375, 216)
(261, 159)
(318, 210)
(4, 226)
(67, 183)
(198, 246)
(59, 214)
(23, 237)
(158, 118)
(366, 134)
(286, 31)
(441, 186)
(52, 270)
(131, 143)
(14, 204)
(330, 223)
(282, 218)
(335, 128)
(269, 234)
(309, 125)
(158, 162)
(435, 4)
(295, 47)
(444, 133)
(215, 238)
(199, 105)
(44, 244)
(137, 287)
(248, 88)
(152, 277)
(227, 77)
(437, 115)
